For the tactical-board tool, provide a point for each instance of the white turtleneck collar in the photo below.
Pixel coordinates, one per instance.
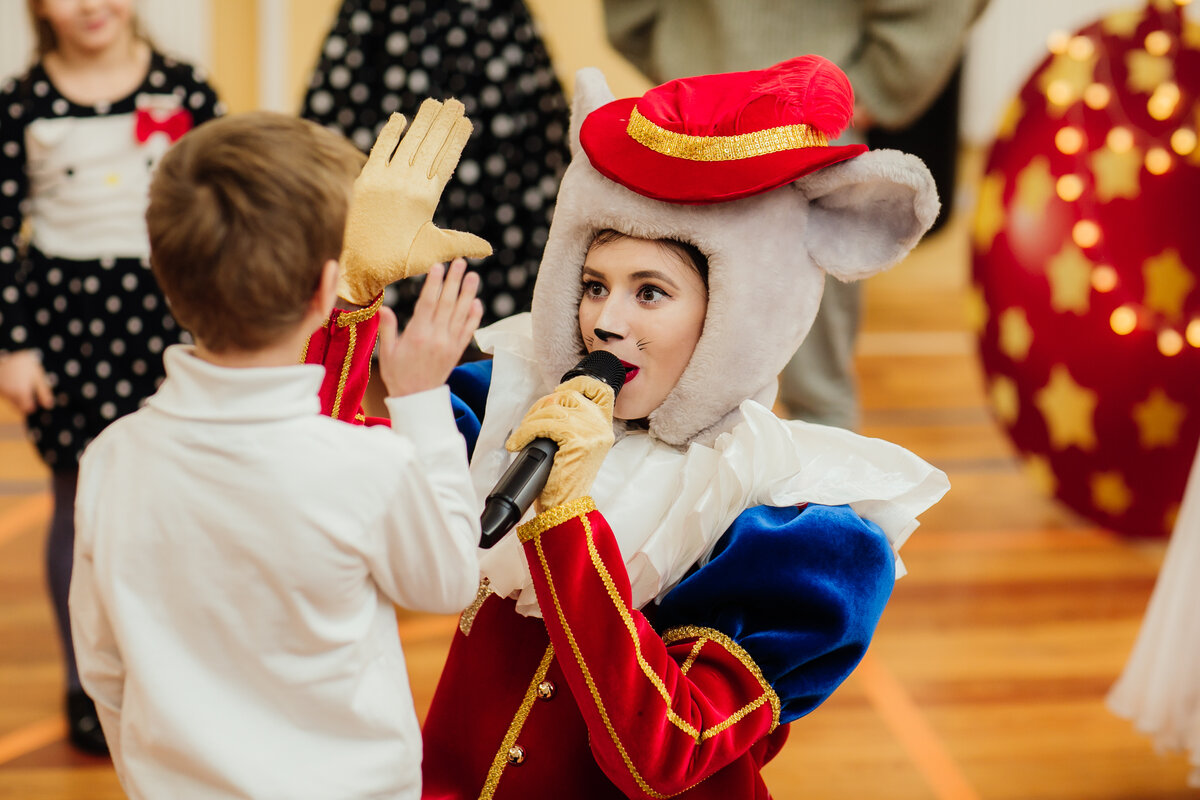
(198, 390)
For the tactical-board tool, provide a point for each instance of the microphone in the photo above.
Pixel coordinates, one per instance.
(525, 478)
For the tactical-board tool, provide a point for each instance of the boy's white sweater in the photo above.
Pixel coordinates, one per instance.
(237, 557)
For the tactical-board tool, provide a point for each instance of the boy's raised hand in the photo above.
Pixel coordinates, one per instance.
(389, 230)
(444, 320)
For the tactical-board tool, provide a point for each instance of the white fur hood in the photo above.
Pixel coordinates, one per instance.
(768, 257)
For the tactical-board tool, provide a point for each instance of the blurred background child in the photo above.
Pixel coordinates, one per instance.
(82, 322)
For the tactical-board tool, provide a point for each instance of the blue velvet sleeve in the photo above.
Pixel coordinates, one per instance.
(469, 385)
(801, 589)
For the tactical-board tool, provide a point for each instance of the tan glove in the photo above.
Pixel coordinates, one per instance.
(578, 416)
(389, 232)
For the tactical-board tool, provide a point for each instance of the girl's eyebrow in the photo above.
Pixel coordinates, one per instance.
(653, 275)
(640, 275)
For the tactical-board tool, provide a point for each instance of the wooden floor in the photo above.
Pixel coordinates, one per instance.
(986, 678)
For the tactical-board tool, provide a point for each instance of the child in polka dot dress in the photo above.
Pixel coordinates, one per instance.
(82, 322)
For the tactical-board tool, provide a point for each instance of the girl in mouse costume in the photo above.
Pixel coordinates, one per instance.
(700, 573)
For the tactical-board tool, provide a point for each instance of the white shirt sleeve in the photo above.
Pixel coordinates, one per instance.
(101, 668)
(427, 553)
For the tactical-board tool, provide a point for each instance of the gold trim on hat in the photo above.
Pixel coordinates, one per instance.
(723, 148)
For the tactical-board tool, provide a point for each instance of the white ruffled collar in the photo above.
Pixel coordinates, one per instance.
(667, 506)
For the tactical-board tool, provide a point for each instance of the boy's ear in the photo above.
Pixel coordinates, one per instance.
(326, 294)
(866, 213)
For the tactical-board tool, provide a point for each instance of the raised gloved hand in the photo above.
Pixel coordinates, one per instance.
(389, 230)
(578, 417)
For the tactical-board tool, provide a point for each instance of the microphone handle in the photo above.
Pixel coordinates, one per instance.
(516, 490)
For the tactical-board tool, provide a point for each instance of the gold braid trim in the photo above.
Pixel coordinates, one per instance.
(468, 616)
(722, 148)
(307, 342)
(556, 516)
(652, 676)
(337, 399)
(738, 652)
(500, 761)
(691, 659)
(591, 684)
(362, 315)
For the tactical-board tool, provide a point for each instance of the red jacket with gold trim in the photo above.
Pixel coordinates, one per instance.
(687, 697)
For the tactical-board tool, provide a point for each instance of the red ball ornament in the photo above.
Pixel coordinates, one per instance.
(1086, 251)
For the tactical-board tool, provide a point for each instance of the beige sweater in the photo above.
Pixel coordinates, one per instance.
(898, 54)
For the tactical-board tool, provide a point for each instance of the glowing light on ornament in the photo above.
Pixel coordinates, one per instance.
(1169, 342)
(1104, 278)
(1096, 95)
(1158, 43)
(1060, 93)
(1158, 160)
(1086, 233)
(1183, 141)
(1069, 187)
(1123, 320)
(1068, 140)
(1193, 333)
(1080, 47)
(1057, 42)
(1120, 140)
(1163, 102)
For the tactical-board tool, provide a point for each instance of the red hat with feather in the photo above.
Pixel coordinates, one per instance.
(714, 138)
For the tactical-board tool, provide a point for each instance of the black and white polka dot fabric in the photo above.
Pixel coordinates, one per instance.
(389, 55)
(75, 282)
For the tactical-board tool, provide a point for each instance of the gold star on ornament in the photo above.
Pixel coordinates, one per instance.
(1070, 276)
(1005, 401)
(1191, 35)
(1035, 187)
(1168, 283)
(1012, 115)
(1147, 72)
(1068, 76)
(976, 310)
(1015, 334)
(1068, 410)
(1117, 174)
(989, 216)
(1158, 418)
(1122, 23)
(1170, 517)
(1037, 469)
(1110, 493)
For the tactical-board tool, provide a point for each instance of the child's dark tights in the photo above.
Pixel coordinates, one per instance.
(60, 551)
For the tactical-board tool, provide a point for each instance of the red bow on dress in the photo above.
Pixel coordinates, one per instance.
(174, 124)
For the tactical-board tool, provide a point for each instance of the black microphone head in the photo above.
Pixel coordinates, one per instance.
(599, 364)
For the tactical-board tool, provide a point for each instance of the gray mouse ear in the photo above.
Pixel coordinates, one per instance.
(867, 213)
(591, 92)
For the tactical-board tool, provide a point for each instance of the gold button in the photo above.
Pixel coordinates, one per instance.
(546, 690)
(516, 754)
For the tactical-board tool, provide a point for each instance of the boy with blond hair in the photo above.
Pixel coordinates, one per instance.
(239, 554)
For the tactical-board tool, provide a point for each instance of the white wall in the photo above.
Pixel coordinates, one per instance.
(1008, 43)
(179, 27)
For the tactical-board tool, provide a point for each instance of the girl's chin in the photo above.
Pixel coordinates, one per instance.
(629, 414)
